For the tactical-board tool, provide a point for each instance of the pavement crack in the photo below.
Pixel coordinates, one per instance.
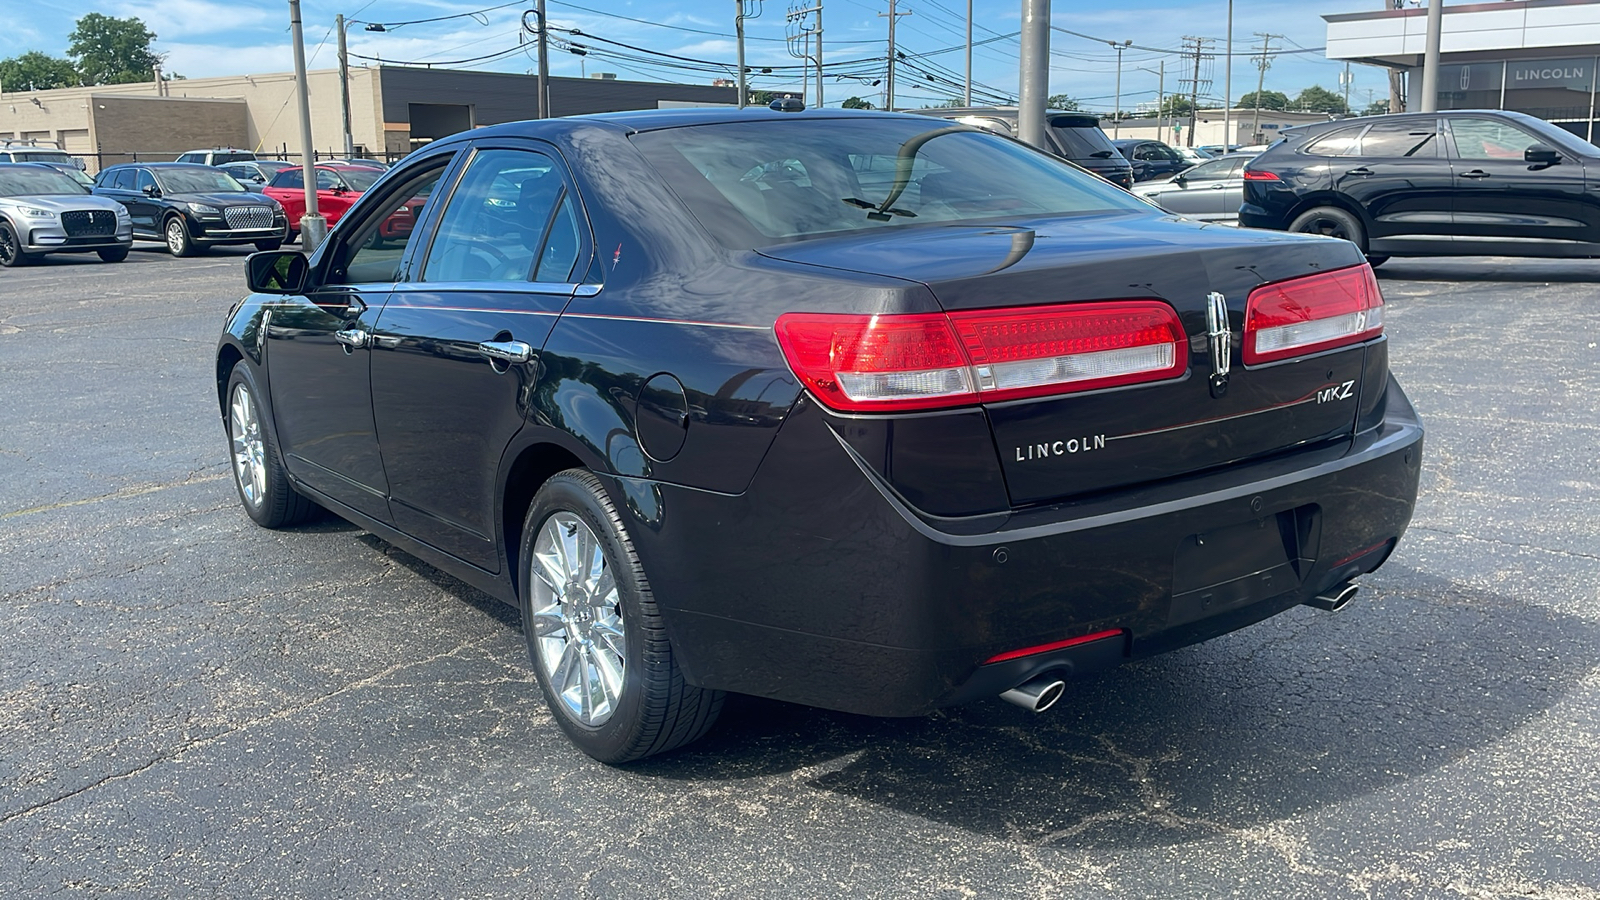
(1488, 540)
(123, 494)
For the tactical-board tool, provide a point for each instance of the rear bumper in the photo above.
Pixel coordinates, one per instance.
(820, 586)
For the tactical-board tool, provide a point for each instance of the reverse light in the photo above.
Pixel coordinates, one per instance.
(924, 361)
(1253, 175)
(1312, 313)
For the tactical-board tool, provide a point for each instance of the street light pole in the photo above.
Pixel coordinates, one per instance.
(1227, 87)
(1034, 74)
(1430, 57)
(313, 227)
(969, 54)
(344, 90)
(738, 28)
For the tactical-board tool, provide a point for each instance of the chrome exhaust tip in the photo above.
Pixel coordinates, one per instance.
(1334, 598)
(1037, 694)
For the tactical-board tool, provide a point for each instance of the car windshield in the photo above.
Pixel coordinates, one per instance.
(197, 181)
(360, 180)
(20, 182)
(43, 156)
(758, 183)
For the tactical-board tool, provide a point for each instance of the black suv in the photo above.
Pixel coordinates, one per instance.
(1456, 183)
(192, 207)
(1072, 136)
(1151, 159)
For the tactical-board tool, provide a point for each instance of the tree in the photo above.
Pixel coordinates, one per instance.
(1061, 101)
(1319, 99)
(113, 51)
(35, 71)
(856, 103)
(1269, 100)
(1376, 108)
(1172, 107)
(762, 98)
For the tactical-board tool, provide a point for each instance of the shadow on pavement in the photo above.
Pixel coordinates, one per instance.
(1298, 713)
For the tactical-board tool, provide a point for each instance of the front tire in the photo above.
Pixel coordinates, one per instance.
(176, 234)
(1330, 221)
(257, 465)
(594, 632)
(113, 254)
(11, 247)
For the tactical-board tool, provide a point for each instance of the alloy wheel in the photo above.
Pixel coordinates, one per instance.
(8, 247)
(1325, 226)
(249, 455)
(175, 236)
(579, 634)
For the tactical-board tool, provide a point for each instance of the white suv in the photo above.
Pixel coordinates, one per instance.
(216, 156)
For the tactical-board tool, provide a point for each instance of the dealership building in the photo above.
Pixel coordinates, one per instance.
(393, 109)
(1533, 56)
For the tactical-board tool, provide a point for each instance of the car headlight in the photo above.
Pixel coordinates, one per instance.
(122, 212)
(34, 213)
(200, 209)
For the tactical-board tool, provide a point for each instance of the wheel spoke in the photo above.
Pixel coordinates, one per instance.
(575, 627)
(611, 639)
(585, 687)
(547, 622)
(561, 676)
(547, 566)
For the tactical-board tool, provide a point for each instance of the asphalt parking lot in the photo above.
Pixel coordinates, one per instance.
(191, 706)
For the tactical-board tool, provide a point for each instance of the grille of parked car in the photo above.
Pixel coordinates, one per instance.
(248, 217)
(89, 223)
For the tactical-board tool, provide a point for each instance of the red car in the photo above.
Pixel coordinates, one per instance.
(338, 188)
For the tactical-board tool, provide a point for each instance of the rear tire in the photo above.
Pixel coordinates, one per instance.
(257, 464)
(11, 247)
(594, 632)
(114, 254)
(1331, 221)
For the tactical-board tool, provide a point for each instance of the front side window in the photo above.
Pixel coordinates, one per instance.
(497, 220)
(328, 181)
(1489, 139)
(753, 184)
(372, 251)
(122, 180)
(146, 181)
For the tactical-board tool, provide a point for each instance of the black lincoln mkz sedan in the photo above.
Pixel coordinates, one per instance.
(873, 412)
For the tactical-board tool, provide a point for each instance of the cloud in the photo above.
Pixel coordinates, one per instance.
(178, 19)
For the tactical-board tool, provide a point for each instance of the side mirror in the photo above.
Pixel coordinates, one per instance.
(151, 190)
(1181, 180)
(277, 272)
(1541, 155)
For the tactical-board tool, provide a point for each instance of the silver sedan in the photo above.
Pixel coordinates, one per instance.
(1211, 191)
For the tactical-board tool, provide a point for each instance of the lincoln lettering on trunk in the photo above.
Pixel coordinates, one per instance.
(1065, 447)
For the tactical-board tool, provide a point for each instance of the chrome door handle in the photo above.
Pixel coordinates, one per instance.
(1475, 173)
(1362, 171)
(352, 337)
(506, 351)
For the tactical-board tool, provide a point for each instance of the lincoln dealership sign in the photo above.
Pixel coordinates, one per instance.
(1573, 74)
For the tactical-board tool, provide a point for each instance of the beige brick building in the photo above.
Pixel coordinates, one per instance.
(392, 110)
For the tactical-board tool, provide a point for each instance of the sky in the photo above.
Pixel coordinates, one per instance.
(227, 37)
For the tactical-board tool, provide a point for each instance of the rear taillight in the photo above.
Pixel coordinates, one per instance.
(906, 362)
(1312, 313)
(1252, 175)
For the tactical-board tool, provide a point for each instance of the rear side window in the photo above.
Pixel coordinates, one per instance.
(122, 179)
(1342, 142)
(1399, 140)
(289, 178)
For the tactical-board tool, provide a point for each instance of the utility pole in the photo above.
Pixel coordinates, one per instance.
(1116, 105)
(969, 54)
(1034, 74)
(889, 85)
(1430, 57)
(313, 227)
(1345, 80)
(1263, 62)
(1195, 46)
(1397, 94)
(544, 63)
(344, 89)
(799, 28)
(1161, 96)
(819, 54)
(738, 29)
(1227, 87)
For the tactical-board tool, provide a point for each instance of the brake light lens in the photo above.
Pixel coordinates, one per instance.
(1252, 175)
(1312, 313)
(892, 363)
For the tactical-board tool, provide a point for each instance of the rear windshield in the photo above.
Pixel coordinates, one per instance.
(18, 182)
(1082, 141)
(197, 181)
(218, 159)
(758, 183)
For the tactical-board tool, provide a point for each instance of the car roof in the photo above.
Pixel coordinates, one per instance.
(27, 165)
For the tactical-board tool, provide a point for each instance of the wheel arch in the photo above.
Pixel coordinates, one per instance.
(1334, 199)
(228, 356)
(528, 470)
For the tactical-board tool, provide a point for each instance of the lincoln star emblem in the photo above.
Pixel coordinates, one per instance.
(1221, 342)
